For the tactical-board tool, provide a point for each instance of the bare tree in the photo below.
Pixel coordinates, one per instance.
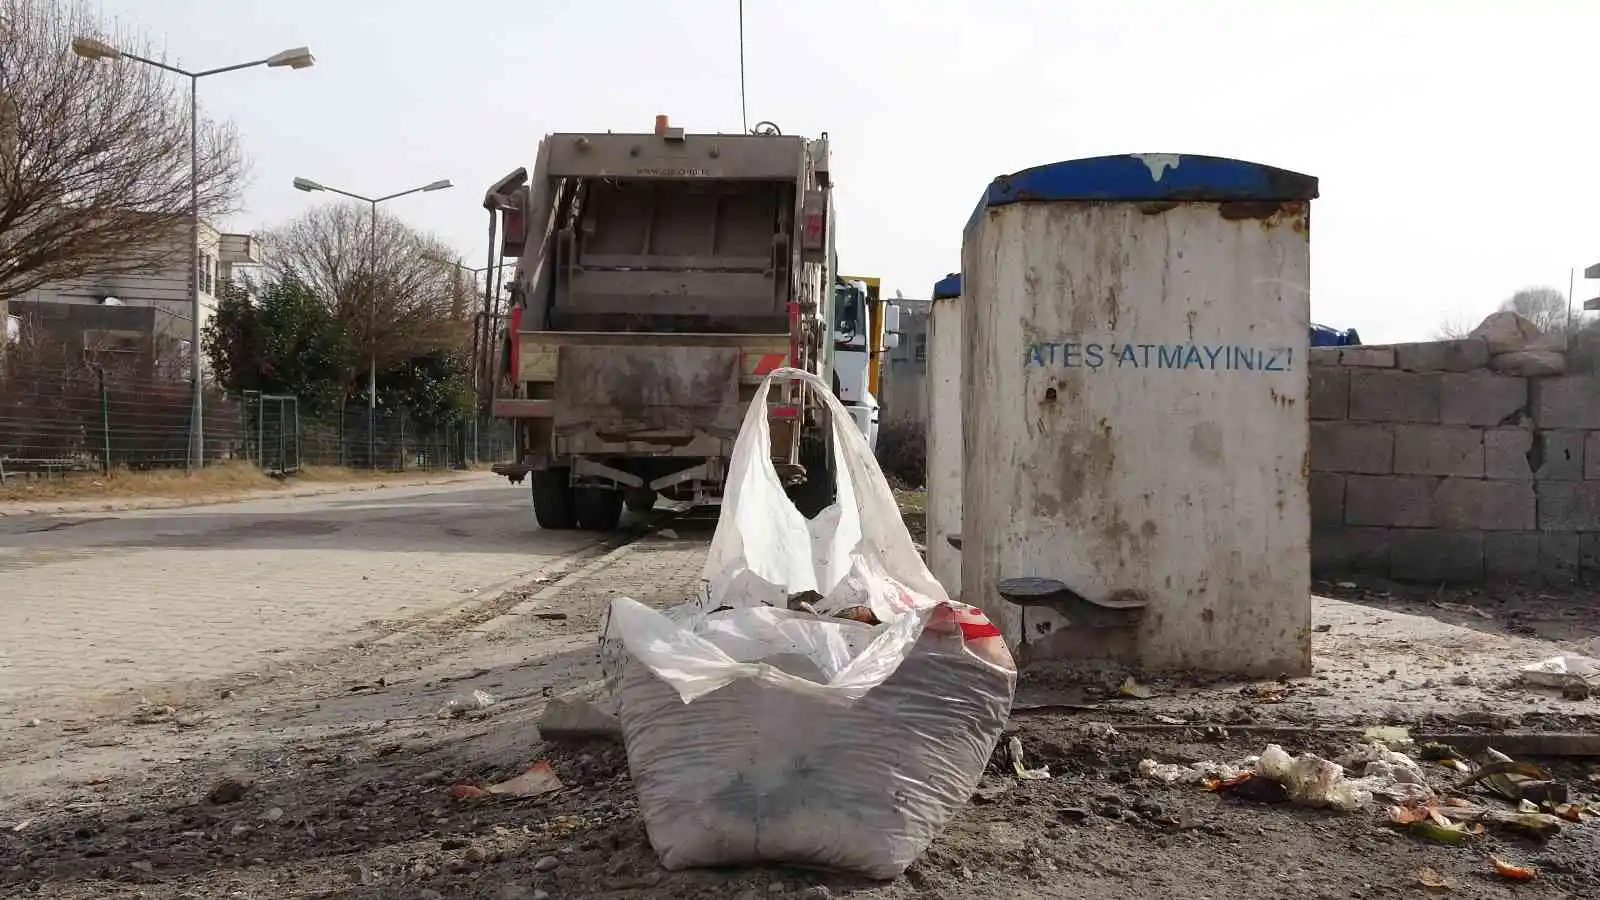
(392, 294)
(1545, 307)
(1452, 328)
(94, 157)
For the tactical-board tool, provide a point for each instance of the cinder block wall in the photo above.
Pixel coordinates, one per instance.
(1427, 465)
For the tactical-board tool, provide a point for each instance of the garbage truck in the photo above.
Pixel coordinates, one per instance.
(660, 276)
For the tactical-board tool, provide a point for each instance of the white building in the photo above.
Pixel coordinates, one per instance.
(143, 314)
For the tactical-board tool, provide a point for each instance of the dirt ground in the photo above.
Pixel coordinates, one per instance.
(332, 775)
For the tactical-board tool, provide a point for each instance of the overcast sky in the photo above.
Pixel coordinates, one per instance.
(1455, 141)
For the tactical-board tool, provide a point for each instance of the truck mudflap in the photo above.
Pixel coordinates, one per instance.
(514, 471)
(624, 390)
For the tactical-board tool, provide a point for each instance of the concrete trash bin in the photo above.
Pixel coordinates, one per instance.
(1134, 413)
(944, 433)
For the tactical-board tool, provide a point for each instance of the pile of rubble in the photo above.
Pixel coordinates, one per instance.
(1517, 346)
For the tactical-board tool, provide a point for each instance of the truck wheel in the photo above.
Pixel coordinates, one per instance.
(640, 500)
(552, 500)
(598, 509)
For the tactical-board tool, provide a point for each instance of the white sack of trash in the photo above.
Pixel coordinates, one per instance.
(842, 736)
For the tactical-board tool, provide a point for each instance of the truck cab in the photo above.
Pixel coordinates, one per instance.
(863, 328)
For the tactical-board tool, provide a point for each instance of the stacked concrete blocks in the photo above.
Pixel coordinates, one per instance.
(1426, 465)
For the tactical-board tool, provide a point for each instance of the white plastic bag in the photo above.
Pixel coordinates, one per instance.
(760, 734)
(856, 553)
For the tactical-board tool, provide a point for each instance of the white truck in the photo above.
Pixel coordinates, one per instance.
(863, 328)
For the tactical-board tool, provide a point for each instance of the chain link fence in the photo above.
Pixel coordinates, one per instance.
(392, 440)
(60, 420)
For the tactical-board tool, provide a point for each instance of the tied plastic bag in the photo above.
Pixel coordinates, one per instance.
(761, 734)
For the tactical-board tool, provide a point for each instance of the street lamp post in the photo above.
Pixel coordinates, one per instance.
(309, 186)
(296, 58)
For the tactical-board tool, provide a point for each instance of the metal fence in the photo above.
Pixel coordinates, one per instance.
(272, 432)
(68, 419)
(392, 440)
(85, 418)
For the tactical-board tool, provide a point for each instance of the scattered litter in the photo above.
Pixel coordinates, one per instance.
(21, 825)
(460, 706)
(1247, 786)
(667, 534)
(1511, 872)
(539, 779)
(148, 713)
(1453, 821)
(1311, 780)
(1171, 720)
(31, 723)
(468, 792)
(1195, 773)
(1435, 751)
(551, 616)
(1383, 771)
(1392, 736)
(1515, 781)
(1572, 812)
(1324, 628)
(1561, 671)
(1345, 585)
(1538, 824)
(1014, 751)
(1429, 822)
(1132, 688)
(1430, 880)
(1268, 692)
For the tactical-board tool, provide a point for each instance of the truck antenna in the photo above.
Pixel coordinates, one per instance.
(744, 115)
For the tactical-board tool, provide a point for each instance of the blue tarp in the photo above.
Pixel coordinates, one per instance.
(1323, 336)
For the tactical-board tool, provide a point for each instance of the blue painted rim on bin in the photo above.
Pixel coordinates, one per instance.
(947, 287)
(1150, 176)
(1144, 177)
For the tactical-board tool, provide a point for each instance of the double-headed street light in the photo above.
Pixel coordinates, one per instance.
(296, 58)
(309, 186)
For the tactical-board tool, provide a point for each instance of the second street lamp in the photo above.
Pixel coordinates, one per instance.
(296, 58)
(309, 186)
